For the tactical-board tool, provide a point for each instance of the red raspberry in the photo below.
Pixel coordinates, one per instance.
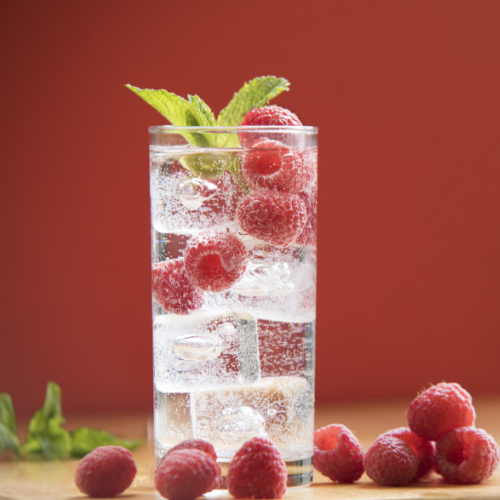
(257, 471)
(338, 454)
(270, 165)
(172, 288)
(440, 409)
(466, 455)
(425, 450)
(185, 474)
(308, 235)
(105, 472)
(202, 445)
(267, 116)
(391, 462)
(215, 260)
(271, 216)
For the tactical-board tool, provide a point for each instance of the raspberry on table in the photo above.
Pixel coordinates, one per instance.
(440, 409)
(391, 462)
(105, 472)
(202, 445)
(185, 474)
(215, 260)
(271, 115)
(272, 216)
(271, 165)
(172, 288)
(257, 471)
(424, 449)
(466, 455)
(308, 235)
(338, 454)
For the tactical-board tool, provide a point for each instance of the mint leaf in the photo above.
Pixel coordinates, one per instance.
(45, 437)
(8, 428)
(254, 94)
(86, 439)
(181, 113)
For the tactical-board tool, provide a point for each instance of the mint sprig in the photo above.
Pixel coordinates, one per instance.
(86, 439)
(8, 427)
(194, 112)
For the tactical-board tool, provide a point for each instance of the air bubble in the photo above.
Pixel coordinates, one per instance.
(193, 191)
(194, 348)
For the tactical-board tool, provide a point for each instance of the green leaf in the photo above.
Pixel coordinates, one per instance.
(86, 439)
(254, 94)
(45, 437)
(181, 113)
(8, 428)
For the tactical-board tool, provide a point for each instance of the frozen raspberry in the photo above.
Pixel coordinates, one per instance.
(271, 216)
(105, 472)
(271, 165)
(424, 449)
(267, 116)
(202, 445)
(338, 454)
(310, 198)
(391, 462)
(257, 471)
(466, 455)
(215, 260)
(440, 409)
(172, 288)
(185, 474)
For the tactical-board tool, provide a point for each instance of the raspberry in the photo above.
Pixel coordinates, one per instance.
(310, 199)
(425, 450)
(267, 116)
(270, 165)
(466, 455)
(440, 409)
(338, 454)
(215, 260)
(172, 288)
(257, 471)
(105, 472)
(185, 474)
(271, 216)
(391, 462)
(202, 445)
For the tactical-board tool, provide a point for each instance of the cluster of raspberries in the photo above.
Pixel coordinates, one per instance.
(441, 437)
(188, 470)
(280, 209)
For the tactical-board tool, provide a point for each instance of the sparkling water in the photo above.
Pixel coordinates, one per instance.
(243, 364)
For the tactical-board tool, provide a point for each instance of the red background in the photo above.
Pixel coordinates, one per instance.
(406, 97)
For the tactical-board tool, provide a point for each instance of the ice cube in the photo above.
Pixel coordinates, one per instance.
(277, 407)
(172, 419)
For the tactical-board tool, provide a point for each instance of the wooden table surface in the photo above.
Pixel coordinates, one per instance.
(20, 480)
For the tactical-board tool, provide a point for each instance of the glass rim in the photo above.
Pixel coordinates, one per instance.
(157, 129)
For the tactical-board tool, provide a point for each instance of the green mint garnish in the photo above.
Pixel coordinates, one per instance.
(86, 439)
(45, 437)
(8, 428)
(195, 112)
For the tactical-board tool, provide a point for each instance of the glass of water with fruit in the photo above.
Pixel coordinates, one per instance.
(234, 211)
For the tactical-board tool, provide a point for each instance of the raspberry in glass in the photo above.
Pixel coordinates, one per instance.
(202, 445)
(272, 216)
(424, 449)
(105, 472)
(308, 235)
(271, 115)
(391, 462)
(271, 165)
(338, 454)
(172, 288)
(466, 455)
(215, 260)
(257, 471)
(185, 474)
(440, 409)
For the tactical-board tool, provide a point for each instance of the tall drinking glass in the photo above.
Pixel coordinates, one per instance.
(234, 288)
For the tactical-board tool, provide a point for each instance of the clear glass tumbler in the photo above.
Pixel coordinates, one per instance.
(233, 213)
